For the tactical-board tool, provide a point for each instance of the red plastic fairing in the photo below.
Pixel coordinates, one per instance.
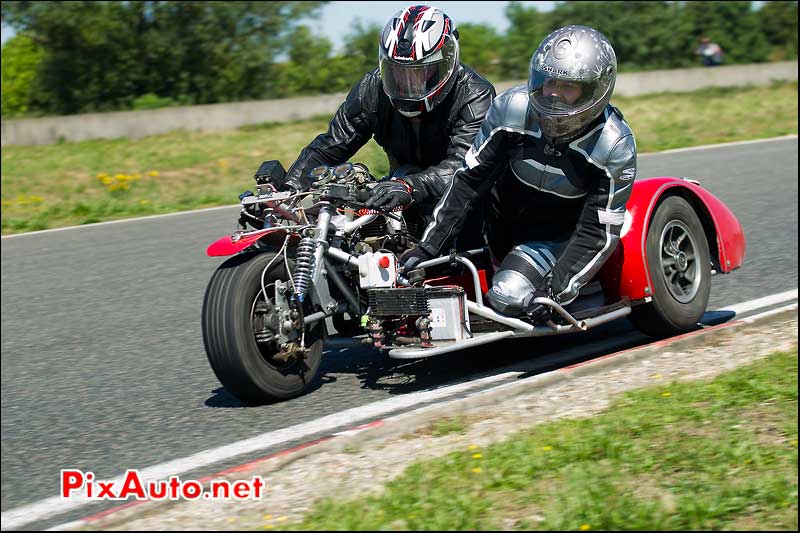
(627, 268)
(229, 246)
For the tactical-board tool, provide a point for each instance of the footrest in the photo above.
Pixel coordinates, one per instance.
(589, 313)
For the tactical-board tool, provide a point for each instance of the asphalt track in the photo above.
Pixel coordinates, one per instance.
(103, 366)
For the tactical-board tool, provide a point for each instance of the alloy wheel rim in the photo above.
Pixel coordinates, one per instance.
(678, 259)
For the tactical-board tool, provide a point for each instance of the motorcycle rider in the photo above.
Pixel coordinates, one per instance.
(422, 106)
(558, 162)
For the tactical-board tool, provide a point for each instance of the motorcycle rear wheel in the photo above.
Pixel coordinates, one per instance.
(246, 368)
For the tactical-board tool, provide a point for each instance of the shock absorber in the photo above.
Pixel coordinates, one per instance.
(303, 266)
(308, 259)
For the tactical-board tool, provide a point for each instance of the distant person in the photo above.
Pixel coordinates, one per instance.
(421, 105)
(710, 52)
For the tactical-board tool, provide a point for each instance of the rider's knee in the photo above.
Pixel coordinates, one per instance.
(510, 293)
(522, 271)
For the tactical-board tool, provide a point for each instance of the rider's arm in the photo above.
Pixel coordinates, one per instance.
(600, 222)
(484, 161)
(350, 129)
(430, 184)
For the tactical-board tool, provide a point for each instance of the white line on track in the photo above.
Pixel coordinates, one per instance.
(180, 213)
(766, 301)
(719, 145)
(47, 507)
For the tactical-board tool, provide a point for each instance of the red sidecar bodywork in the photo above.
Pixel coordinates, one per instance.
(627, 272)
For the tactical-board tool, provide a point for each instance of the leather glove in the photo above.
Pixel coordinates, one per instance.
(390, 194)
(541, 313)
(412, 257)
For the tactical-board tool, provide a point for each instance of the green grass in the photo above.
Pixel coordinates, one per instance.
(712, 455)
(58, 185)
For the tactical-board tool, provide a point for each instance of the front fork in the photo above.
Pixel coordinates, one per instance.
(309, 279)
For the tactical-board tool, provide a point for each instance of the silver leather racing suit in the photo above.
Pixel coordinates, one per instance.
(553, 213)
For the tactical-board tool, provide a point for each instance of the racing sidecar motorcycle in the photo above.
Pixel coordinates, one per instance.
(300, 258)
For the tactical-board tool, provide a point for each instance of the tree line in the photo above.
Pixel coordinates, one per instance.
(77, 57)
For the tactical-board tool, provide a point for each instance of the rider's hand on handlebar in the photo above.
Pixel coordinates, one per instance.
(390, 194)
(539, 312)
(411, 258)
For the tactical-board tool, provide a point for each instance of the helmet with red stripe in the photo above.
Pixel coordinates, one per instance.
(418, 58)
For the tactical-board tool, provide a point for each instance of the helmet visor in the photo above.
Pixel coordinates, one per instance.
(554, 96)
(413, 82)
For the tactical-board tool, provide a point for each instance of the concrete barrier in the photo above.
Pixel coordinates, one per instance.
(134, 124)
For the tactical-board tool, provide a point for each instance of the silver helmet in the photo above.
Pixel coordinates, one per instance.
(572, 77)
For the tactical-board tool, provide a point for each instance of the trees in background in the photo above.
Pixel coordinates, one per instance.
(72, 57)
(778, 23)
(20, 59)
(103, 55)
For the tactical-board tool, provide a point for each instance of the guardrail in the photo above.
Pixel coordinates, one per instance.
(134, 124)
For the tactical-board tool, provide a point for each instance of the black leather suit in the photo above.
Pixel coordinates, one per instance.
(434, 142)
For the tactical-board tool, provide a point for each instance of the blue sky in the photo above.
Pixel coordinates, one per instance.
(336, 18)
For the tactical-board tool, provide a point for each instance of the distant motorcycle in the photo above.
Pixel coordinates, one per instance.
(300, 258)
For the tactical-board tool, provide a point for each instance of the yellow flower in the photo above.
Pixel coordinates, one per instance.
(267, 517)
(119, 177)
(472, 447)
(477, 470)
(144, 202)
(666, 394)
(102, 176)
(35, 199)
(223, 163)
(584, 527)
(268, 526)
(547, 448)
(153, 173)
(655, 376)
(106, 180)
(282, 519)
(476, 456)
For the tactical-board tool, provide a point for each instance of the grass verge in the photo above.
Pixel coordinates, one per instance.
(712, 455)
(92, 181)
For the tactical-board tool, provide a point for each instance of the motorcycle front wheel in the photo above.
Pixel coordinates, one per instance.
(242, 352)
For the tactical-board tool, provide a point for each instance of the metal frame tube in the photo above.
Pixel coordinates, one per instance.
(342, 257)
(353, 225)
(341, 284)
(321, 238)
(476, 280)
(561, 311)
(492, 315)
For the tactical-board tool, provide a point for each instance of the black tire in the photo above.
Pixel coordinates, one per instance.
(245, 368)
(681, 276)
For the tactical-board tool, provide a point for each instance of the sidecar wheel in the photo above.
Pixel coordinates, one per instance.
(246, 368)
(680, 269)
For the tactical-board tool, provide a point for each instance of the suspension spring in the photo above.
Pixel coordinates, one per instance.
(303, 266)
